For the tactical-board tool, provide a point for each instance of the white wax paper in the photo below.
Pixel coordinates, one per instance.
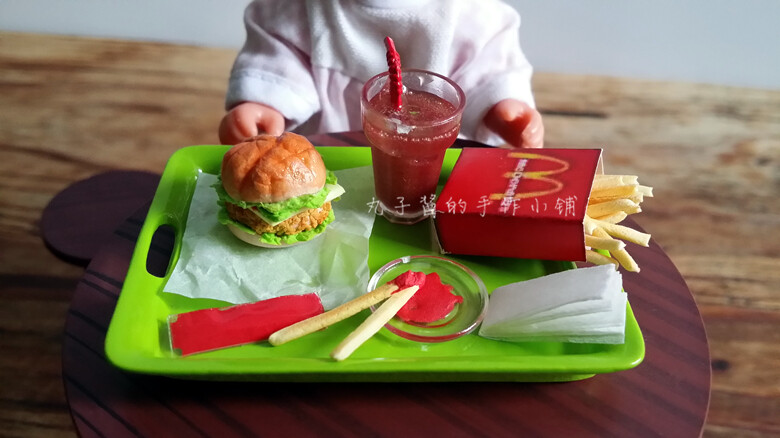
(215, 264)
(579, 305)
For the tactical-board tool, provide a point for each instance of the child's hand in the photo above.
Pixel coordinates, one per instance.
(517, 123)
(249, 119)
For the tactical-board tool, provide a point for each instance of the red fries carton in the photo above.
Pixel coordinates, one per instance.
(524, 203)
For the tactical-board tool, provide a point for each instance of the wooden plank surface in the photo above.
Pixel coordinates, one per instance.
(72, 107)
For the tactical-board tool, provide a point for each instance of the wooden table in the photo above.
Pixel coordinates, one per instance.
(72, 108)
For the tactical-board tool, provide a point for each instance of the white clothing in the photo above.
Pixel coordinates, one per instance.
(309, 60)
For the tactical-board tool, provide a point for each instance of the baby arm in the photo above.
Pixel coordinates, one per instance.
(271, 88)
(496, 76)
(517, 123)
(248, 119)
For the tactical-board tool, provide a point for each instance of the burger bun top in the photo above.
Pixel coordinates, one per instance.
(267, 168)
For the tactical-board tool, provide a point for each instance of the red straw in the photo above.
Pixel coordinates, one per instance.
(394, 65)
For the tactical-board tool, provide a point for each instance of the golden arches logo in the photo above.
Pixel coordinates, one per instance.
(538, 175)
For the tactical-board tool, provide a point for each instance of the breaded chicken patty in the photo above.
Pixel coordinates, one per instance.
(303, 221)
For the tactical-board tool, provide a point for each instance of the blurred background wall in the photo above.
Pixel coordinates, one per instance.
(714, 41)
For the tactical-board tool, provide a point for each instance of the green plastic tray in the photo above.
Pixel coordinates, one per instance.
(137, 338)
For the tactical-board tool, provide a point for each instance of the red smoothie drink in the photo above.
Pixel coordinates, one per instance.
(408, 144)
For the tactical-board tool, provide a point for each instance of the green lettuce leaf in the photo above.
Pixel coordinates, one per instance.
(279, 211)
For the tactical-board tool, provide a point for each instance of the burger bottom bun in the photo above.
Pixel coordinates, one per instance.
(252, 239)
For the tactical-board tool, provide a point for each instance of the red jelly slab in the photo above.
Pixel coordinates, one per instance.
(432, 302)
(211, 329)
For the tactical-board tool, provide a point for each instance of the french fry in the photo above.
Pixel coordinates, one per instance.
(612, 199)
(614, 218)
(634, 195)
(598, 258)
(623, 179)
(622, 232)
(611, 192)
(621, 255)
(607, 244)
(645, 190)
(615, 180)
(332, 316)
(609, 207)
(589, 225)
(626, 261)
(373, 323)
(601, 181)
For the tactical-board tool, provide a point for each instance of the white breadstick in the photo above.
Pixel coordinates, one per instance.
(342, 312)
(373, 323)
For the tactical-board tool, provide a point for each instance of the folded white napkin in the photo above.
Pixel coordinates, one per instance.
(584, 305)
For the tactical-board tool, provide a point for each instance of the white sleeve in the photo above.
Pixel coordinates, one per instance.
(491, 67)
(272, 68)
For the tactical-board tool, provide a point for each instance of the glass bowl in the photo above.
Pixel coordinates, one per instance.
(464, 317)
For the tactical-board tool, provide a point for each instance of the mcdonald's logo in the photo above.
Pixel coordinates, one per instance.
(519, 173)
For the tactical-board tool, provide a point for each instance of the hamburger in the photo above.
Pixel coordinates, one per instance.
(275, 191)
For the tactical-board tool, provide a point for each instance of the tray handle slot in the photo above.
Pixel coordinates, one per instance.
(160, 253)
(159, 242)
